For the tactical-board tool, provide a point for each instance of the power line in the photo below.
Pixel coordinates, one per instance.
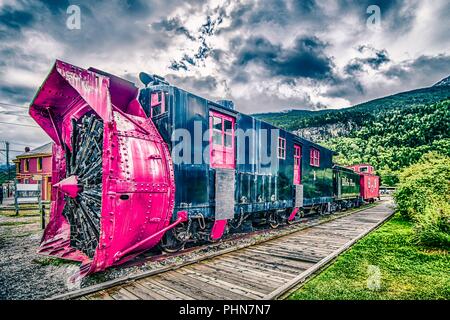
(12, 105)
(20, 144)
(9, 110)
(13, 150)
(16, 115)
(19, 124)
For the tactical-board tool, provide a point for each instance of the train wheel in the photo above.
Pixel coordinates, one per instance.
(174, 239)
(322, 209)
(274, 220)
(334, 207)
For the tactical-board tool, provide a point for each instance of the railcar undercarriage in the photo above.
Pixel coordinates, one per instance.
(198, 229)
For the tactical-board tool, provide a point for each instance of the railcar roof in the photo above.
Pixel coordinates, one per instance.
(342, 168)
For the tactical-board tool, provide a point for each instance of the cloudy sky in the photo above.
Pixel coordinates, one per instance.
(266, 55)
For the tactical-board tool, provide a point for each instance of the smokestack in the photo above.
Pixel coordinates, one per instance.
(27, 149)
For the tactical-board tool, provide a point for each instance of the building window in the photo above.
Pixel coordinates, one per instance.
(314, 157)
(221, 140)
(281, 148)
(39, 164)
(26, 165)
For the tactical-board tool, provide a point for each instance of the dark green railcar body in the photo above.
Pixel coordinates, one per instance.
(345, 183)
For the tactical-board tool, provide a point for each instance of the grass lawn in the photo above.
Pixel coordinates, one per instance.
(383, 265)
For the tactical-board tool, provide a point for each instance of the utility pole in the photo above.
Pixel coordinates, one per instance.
(7, 160)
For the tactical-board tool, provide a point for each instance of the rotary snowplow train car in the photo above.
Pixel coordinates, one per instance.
(121, 186)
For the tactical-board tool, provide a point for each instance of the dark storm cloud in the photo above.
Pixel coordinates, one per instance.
(424, 66)
(401, 76)
(344, 87)
(15, 19)
(200, 85)
(56, 6)
(172, 25)
(13, 22)
(276, 11)
(374, 60)
(206, 30)
(16, 94)
(305, 59)
(135, 7)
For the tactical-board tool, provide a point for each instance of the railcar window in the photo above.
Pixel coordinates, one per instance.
(158, 103)
(281, 148)
(227, 125)
(228, 140)
(217, 123)
(314, 157)
(228, 132)
(217, 137)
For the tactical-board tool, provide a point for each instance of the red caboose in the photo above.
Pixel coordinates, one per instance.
(369, 182)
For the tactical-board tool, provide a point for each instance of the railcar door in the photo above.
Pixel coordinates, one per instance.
(297, 164)
(222, 153)
(222, 148)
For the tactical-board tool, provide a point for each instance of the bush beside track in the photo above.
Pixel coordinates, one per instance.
(423, 197)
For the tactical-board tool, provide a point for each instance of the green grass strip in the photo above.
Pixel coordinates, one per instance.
(385, 265)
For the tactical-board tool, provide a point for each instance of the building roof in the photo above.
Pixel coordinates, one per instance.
(44, 150)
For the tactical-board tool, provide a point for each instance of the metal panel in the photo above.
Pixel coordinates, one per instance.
(298, 195)
(225, 184)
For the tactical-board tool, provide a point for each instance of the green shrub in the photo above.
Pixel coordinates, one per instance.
(432, 227)
(429, 178)
(423, 196)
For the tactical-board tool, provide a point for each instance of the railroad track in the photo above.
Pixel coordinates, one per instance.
(265, 270)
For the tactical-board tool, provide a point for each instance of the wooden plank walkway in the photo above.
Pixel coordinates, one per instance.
(262, 271)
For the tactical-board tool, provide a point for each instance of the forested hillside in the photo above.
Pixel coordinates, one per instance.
(391, 133)
(4, 173)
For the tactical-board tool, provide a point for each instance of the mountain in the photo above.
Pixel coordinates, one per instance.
(4, 172)
(443, 82)
(391, 132)
(296, 119)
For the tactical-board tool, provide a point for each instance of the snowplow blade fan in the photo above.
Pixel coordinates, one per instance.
(112, 174)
